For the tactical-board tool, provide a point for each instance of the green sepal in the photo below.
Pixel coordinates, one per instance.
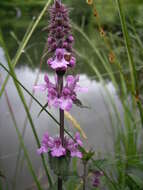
(60, 165)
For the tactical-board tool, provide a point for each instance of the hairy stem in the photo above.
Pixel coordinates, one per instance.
(61, 112)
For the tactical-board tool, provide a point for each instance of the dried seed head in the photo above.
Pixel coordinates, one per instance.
(102, 32)
(111, 57)
(95, 12)
(137, 98)
(89, 2)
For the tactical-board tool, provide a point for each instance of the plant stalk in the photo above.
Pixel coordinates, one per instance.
(61, 112)
(84, 175)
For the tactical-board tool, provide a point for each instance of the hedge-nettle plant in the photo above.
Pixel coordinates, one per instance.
(59, 95)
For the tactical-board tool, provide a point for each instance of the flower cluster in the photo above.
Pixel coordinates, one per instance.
(60, 39)
(96, 179)
(55, 147)
(68, 95)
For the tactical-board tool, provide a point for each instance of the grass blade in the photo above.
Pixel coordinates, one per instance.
(26, 108)
(22, 143)
(134, 78)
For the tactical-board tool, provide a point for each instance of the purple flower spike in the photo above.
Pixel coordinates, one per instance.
(59, 28)
(60, 37)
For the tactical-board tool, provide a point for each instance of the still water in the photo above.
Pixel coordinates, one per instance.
(95, 121)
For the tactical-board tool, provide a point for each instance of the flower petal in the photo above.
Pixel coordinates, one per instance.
(66, 104)
(77, 138)
(57, 152)
(41, 87)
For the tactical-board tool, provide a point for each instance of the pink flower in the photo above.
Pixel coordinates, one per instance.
(43, 87)
(77, 138)
(73, 147)
(54, 146)
(68, 95)
(45, 144)
(75, 152)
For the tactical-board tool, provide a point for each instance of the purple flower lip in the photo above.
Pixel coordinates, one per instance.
(62, 59)
(54, 146)
(58, 63)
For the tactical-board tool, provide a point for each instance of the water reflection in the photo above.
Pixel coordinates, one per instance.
(95, 121)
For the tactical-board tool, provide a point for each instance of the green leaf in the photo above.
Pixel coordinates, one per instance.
(137, 180)
(2, 175)
(78, 103)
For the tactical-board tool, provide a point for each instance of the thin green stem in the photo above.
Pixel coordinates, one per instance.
(134, 78)
(26, 119)
(22, 144)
